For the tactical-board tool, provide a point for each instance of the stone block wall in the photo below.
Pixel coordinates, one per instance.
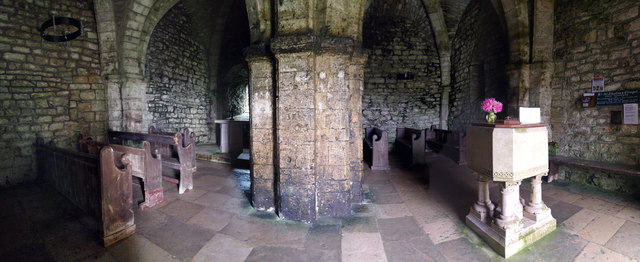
(178, 78)
(52, 90)
(400, 40)
(479, 58)
(601, 38)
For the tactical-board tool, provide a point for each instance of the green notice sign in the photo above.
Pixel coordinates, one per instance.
(616, 98)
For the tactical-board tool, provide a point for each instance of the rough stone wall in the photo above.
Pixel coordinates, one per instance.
(479, 58)
(601, 38)
(235, 85)
(178, 78)
(400, 40)
(47, 89)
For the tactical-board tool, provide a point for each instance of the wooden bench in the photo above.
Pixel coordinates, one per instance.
(413, 141)
(99, 184)
(452, 144)
(144, 164)
(175, 153)
(376, 148)
(556, 161)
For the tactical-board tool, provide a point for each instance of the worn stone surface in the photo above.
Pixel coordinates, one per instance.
(177, 68)
(399, 38)
(47, 89)
(41, 223)
(478, 65)
(586, 45)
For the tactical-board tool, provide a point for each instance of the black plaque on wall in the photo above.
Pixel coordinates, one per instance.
(616, 98)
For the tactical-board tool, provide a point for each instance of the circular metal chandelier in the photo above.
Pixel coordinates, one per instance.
(65, 35)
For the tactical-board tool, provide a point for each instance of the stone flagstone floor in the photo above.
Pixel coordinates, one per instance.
(404, 219)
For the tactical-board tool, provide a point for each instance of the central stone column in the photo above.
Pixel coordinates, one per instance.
(261, 97)
(317, 98)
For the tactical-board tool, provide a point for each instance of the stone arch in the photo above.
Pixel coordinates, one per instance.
(516, 17)
(401, 39)
(479, 62)
(517, 24)
(260, 24)
(340, 18)
(140, 20)
(439, 28)
(151, 16)
(530, 48)
(106, 27)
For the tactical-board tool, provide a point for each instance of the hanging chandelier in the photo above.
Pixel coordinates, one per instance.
(64, 34)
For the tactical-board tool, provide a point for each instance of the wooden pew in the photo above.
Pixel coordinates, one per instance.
(376, 148)
(144, 164)
(452, 144)
(188, 138)
(175, 152)
(411, 140)
(98, 184)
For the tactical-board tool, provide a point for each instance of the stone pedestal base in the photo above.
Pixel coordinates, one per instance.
(517, 237)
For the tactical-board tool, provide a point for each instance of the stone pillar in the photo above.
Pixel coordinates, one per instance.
(295, 128)
(444, 107)
(261, 100)
(536, 210)
(114, 103)
(507, 218)
(134, 104)
(314, 102)
(541, 74)
(356, 85)
(518, 93)
(483, 209)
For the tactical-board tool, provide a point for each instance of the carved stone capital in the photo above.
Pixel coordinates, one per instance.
(318, 45)
(258, 52)
(293, 44)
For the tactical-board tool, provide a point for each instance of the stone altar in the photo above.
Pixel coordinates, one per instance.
(507, 153)
(231, 136)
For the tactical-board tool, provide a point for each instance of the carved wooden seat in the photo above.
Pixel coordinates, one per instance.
(450, 143)
(99, 184)
(376, 148)
(171, 155)
(175, 152)
(413, 141)
(144, 164)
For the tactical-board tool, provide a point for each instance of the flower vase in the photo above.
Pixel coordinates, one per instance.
(491, 117)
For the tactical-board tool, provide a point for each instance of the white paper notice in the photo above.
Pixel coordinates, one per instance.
(630, 115)
(597, 85)
(529, 115)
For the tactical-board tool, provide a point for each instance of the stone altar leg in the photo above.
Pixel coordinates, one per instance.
(536, 210)
(510, 232)
(483, 209)
(507, 219)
